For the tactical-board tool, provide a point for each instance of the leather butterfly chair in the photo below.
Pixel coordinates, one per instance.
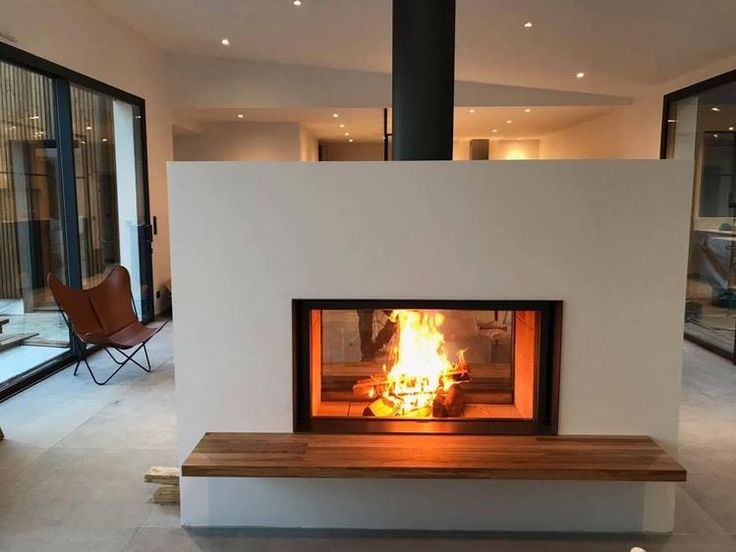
(105, 316)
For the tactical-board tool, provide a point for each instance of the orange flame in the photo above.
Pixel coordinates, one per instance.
(421, 367)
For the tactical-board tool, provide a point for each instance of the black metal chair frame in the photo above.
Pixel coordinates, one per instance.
(82, 349)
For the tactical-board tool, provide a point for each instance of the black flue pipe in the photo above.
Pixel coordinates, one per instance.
(423, 79)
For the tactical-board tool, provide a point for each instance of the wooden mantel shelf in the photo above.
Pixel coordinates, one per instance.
(582, 458)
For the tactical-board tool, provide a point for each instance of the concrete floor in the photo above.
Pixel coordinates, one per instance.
(72, 463)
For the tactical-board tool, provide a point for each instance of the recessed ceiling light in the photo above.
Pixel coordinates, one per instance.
(104, 139)
(341, 125)
(351, 140)
(579, 75)
(137, 116)
(528, 110)
(671, 120)
(34, 117)
(225, 42)
(729, 128)
(89, 127)
(471, 110)
(335, 115)
(509, 121)
(240, 115)
(494, 130)
(715, 136)
(528, 25)
(347, 134)
(716, 109)
(297, 2)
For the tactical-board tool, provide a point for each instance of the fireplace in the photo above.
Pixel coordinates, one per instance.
(416, 366)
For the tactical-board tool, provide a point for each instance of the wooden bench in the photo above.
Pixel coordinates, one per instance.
(581, 458)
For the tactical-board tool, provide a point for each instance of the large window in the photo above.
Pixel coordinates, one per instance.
(699, 124)
(73, 202)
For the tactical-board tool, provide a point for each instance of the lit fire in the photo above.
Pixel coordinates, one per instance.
(420, 373)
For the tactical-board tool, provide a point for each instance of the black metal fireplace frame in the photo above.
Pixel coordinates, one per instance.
(548, 380)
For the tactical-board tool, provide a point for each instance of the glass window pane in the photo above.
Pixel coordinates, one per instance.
(108, 173)
(31, 239)
(701, 127)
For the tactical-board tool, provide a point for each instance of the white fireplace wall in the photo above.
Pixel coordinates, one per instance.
(609, 238)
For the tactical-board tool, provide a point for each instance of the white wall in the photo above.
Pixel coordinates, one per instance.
(595, 234)
(308, 145)
(77, 35)
(461, 149)
(514, 149)
(240, 141)
(628, 132)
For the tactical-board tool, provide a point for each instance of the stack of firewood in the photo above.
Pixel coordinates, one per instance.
(167, 480)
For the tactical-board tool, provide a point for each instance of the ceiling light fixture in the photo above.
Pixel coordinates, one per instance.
(347, 134)
(335, 115)
(351, 140)
(509, 121)
(225, 42)
(341, 125)
(240, 115)
(104, 139)
(34, 117)
(297, 3)
(579, 75)
(729, 128)
(528, 25)
(528, 110)
(494, 130)
(715, 136)
(671, 121)
(471, 110)
(716, 109)
(89, 127)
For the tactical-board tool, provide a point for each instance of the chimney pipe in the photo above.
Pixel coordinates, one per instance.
(423, 79)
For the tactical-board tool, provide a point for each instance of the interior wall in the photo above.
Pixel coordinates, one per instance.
(308, 145)
(80, 36)
(312, 231)
(514, 149)
(241, 141)
(461, 149)
(627, 132)
(357, 151)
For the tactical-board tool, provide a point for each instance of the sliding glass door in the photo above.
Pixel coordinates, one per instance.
(110, 192)
(700, 124)
(31, 232)
(73, 202)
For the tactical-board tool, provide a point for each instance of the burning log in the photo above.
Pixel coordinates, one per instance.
(369, 388)
(380, 408)
(449, 404)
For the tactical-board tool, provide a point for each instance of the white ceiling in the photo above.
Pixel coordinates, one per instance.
(618, 43)
(366, 125)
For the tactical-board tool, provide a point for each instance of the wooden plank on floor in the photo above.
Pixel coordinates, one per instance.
(163, 475)
(583, 458)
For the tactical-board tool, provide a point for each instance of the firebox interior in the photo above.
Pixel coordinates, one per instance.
(489, 355)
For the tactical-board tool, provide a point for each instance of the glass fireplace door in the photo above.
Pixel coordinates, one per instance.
(461, 366)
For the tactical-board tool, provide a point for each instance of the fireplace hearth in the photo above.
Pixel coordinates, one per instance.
(426, 366)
